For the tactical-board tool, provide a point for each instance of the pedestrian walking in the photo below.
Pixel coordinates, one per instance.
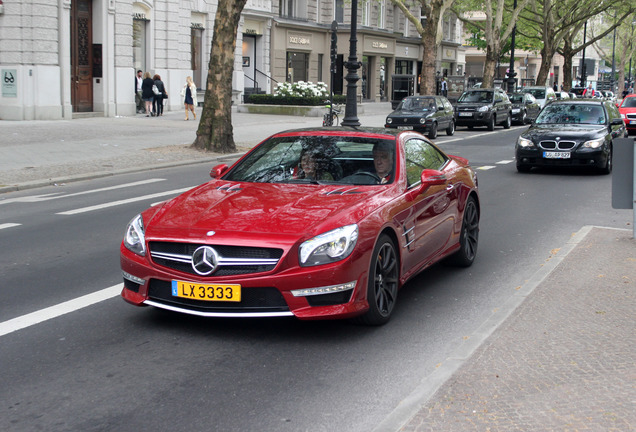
(589, 91)
(444, 87)
(138, 99)
(146, 93)
(157, 101)
(189, 97)
(555, 87)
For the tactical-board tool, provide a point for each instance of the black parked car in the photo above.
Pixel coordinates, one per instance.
(525, 107)
(484, 107)
(425, 114)
(575, 132)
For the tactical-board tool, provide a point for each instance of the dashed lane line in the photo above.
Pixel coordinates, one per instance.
(9, 225)
(122, 202)
(48, 197)
(55, 311)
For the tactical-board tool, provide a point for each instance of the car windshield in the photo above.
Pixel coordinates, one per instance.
(314, 159)
(572, 114)
(516, 98)
(629, 102)
(476, 96)
(538, 93)
(417, 104)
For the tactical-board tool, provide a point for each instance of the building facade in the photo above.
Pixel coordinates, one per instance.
(61, 59)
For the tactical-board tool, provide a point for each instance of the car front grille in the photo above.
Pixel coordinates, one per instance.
(631, 116)
(258, 299)
(233, 260)
(557, 145)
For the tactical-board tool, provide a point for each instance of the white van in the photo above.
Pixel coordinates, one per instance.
(543, 95)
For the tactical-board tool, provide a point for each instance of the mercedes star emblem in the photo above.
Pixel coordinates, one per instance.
(204, 260)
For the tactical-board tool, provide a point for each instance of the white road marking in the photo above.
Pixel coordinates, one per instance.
(9, 225)
(122, 202)
(48, 197)
(503, 162)
(486, 167)
(55, 311)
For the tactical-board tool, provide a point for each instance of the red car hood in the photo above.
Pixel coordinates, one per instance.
(257, 209)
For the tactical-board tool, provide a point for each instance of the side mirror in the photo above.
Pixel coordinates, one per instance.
(440, 108)
(432, 177)
(218, 171)
(617, 121)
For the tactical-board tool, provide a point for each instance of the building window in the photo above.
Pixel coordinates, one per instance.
(297, 66)
(381, 14)
(293, 9)
(403, 67)
(196, 51)
(139, 43)
(338, 6)
(366, 13)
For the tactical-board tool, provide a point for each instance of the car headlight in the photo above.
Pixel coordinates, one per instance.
(423, 120)
(135, 239)
(593, 143)
(622, 115)
(515, 110)
(331, 246)
(524, 143)
(483, 108)
(389, 120)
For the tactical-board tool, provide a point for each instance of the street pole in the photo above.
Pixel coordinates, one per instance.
(583, 69)
(332, 68)
(613, 59)
(351, 109)
(511, 69)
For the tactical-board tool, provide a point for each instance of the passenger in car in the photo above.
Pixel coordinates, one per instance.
(312, 167)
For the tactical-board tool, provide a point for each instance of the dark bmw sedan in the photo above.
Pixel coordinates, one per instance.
(571, 133)
(425, 114)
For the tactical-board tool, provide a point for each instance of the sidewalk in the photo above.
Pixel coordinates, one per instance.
(559, 356)
(38, 153)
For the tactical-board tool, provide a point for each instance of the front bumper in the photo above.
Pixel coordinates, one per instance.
(475, 118)
(262, 295)
(536, 157)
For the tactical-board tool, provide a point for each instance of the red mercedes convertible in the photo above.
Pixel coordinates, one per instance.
(312, 223)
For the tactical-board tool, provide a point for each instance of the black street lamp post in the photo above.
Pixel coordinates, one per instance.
(351, 109)
(583, 68)
(511, 69)
(613, 59)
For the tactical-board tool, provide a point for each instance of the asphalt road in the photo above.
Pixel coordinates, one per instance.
(112, 367)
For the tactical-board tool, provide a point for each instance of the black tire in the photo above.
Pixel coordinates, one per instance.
(607, 169)
(508, 122)
(491, 123)
(432, 134)
(450, 130)
(469, 237)
(382, 287)
(523, 168)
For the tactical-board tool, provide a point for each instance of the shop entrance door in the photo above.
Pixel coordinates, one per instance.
(81, 56)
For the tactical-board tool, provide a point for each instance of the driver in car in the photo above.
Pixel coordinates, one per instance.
(383, 161)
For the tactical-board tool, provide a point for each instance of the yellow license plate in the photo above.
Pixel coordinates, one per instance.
(205, 292)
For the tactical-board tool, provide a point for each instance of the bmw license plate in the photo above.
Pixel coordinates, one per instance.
(465, 114)
(632, 122)
(405, 127)
(556, 155)
(205, 292)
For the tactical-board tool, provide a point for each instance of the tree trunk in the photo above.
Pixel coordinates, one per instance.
(492, 53)
(429, 42)
(215, 131)
(547, 54)
(568, 54)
